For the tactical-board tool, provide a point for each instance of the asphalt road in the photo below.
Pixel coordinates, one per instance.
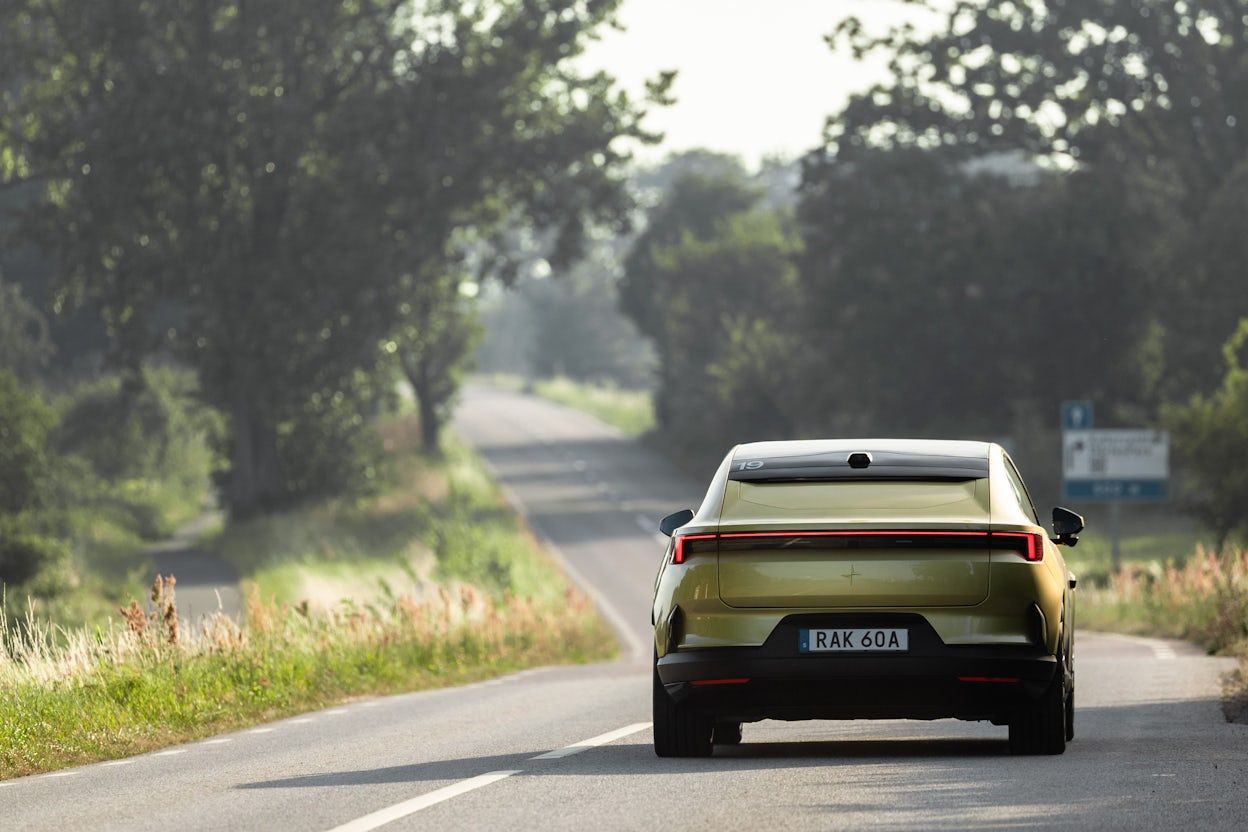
(569, 748)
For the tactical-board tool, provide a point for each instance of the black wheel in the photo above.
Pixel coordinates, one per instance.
(1040, 728)
(727, 733)
(1070, 715)
(679, 731)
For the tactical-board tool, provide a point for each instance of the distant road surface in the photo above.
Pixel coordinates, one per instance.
(569, 748)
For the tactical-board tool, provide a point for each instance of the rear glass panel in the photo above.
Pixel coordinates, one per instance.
(879, 494)
(939, 501)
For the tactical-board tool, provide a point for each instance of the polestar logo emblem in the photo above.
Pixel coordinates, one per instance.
(851, 574)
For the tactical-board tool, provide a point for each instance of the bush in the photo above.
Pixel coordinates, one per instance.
(24, 424)
(27, 558)
(1211, 440)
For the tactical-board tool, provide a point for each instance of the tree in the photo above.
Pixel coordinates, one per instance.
(711, 280)
(1211, 442)
(434, 346)
(24, 343)
(1151, 93)
(258, 185)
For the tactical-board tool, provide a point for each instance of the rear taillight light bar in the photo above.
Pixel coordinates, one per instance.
(681, 550)
(1029, 544)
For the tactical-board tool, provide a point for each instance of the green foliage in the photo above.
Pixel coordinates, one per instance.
(24, 465)
(270, 200)
(25, 346)
(712, 266)
(38, 563)
(1211, 442)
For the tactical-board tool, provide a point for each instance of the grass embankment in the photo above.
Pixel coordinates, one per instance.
(1203, 598)
(430, 583)
(631, 411)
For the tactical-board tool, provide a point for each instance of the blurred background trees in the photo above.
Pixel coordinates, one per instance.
(265, 191)
(235, 228)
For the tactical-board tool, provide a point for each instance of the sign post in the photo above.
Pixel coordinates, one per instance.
(1114, 466)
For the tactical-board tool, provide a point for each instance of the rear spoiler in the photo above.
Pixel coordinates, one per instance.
(858, 466)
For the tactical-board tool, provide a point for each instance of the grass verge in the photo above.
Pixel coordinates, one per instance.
(631, 411)
(1203, 599)
(432, 582)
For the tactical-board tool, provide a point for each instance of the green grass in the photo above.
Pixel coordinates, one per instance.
(630, 411)
(125, 691)
(439, 520)
(432, 582)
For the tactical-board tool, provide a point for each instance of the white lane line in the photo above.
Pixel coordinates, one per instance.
(218, 741)
(117, 763)
(592, 742)
(303, 720)
(260, 731)
(335, 711)
(409, 807)
(61, 774)
(372, 703)
(170, 752)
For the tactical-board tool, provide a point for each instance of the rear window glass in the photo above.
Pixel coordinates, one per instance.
(897, 495)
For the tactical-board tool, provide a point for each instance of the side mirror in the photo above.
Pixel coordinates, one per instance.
(672, 522)
(1066, 525)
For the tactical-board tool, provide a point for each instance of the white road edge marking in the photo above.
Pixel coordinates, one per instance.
(117, 763)
(408, 807)
(217, 741)
(593, 742)
(61, 774)
(632, 644)
(170, 752)
(260, 731)
(303, 720)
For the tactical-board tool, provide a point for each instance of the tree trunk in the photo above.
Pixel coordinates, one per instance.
(255, 481)
(427, 405)
(430, 422)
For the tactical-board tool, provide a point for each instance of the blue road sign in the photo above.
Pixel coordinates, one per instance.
(1077, 415)
(1113, 491)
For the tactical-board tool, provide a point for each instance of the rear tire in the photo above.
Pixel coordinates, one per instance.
(1040, 727)
(679, 730)
(727, 733)
(1070, 715)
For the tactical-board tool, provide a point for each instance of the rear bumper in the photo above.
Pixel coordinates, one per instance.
(930, 681)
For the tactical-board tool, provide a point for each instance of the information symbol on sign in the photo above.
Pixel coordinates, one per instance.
(1076, 415)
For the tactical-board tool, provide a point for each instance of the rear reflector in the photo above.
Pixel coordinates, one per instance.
(700, 682)
(1001, 680)
(680, 552)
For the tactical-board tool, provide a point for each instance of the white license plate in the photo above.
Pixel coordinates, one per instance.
(858, 639)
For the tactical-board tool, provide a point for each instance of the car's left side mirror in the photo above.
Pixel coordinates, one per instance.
(672, 522)
(1066, 525)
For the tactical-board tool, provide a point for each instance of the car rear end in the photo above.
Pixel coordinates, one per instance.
(829, 585)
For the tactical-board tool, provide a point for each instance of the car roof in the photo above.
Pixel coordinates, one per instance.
(811, 447)
(859, 459)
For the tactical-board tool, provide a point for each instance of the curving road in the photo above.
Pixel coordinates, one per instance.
(569, 748)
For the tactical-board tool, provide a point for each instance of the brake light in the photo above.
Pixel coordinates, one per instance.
(681, 550)
(1030, 546)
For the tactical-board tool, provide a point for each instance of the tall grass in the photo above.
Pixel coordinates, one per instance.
(1203, 598)
(75, 696)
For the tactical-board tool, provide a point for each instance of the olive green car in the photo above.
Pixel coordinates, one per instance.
(864, 579)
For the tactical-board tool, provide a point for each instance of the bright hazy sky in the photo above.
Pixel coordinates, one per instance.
(755, 77)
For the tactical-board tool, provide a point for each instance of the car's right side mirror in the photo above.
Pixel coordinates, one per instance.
(672, 522)
(1066, 525)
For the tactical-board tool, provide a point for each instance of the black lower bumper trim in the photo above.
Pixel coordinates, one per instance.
(929, 681)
